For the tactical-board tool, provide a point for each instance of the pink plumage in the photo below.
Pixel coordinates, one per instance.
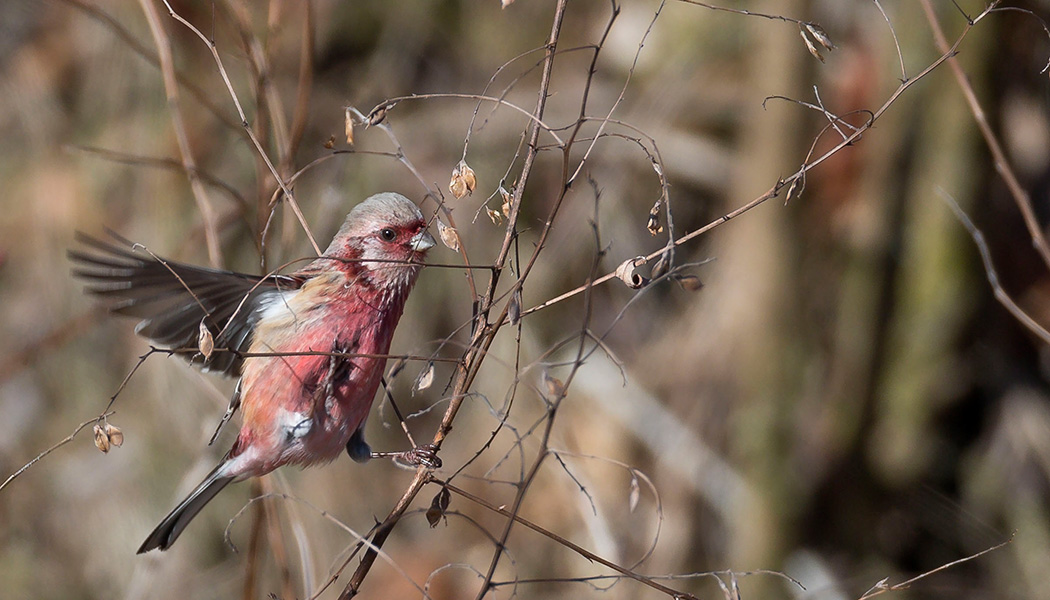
(304, 401)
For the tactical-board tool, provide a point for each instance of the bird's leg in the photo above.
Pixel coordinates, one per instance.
(420, 455)
(360, 451)
(235, 403)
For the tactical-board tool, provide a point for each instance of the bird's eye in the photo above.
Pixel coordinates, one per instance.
(387, 234)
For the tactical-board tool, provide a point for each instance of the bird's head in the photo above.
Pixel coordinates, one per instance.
(388, 229)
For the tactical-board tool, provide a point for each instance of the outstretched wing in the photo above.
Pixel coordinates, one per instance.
(172, 299)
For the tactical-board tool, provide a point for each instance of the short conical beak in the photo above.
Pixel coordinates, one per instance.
(421, 242)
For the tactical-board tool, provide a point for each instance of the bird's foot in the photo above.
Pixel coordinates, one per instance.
(420, 456)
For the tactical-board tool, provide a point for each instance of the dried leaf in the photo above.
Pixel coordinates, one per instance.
(661, 266)
(654, 225)
(810, 46)
(820, 35)
(505, 3)
(330, 143)
(348, 124)
(514, 309)
(205, 341)
(635, 495)
(116, 436)
(625, 272)
(425, 379)
(449, 236)
(101, 439)
(494, 215)
(689, 283)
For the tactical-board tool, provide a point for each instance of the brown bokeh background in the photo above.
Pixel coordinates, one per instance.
(844, 400)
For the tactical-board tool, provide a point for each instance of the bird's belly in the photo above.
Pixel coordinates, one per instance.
(304, 400)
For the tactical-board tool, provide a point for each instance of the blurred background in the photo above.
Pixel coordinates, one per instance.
(844, 401)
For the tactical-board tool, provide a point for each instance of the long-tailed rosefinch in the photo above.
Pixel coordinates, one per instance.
(319, 330)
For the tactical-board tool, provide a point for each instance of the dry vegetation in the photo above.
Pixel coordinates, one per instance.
(850, 399)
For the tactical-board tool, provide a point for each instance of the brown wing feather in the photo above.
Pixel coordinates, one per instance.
(172, 298)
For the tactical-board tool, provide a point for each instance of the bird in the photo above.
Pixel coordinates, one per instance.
(308, 347)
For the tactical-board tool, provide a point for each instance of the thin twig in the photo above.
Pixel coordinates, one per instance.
(289, 196)
(566, 543)
(882, 587)
(171, 89)
(1002, 164)
(775, 190)
(482, 339)
(989, 269)
(121, 32)
(896, 44)
(63, 442)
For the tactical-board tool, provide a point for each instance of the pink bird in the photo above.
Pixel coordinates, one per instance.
(305, 401)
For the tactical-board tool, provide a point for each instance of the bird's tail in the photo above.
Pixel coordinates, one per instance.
(169, 529)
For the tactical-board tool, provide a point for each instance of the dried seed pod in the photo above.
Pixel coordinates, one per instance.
(457, 185)
(791, 191)
(463, 180)
(661, 266)
(116, 436)
(820, 35)
(635, 495)
(425, 379)
(433, 514)
(514, 309)
(653, 225)
(810, 45)
(378, 114)
(205, 341)
(348, 124)
(449, 235)
(656, 167)
(506, 201)
(555, 386)
(468, 176)
(689, 283)
(505, 3)
(330, 143)
(438, 506)
(494, 215)
(101, 439)
(625, 272)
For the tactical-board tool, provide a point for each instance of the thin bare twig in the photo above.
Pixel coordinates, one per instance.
(882, 587)
(121, 32)
(171, 89)
(1002, 164)
(989, 269)
(482, 338)
(58, 445)
(564, 542)
(896, 44)
(289, 196)
(775, 190)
